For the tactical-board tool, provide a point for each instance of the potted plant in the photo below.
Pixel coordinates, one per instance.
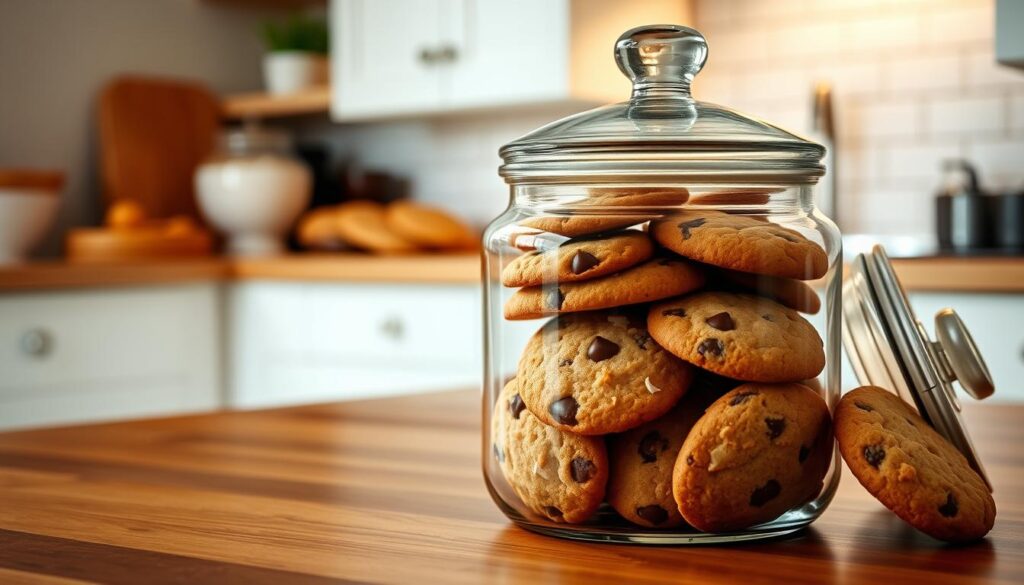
(296, 56)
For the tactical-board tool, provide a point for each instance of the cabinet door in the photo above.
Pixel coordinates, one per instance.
(505, 52)
(378, 67)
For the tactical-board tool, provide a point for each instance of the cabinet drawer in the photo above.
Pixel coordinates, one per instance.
(297, 342)
(105, 353)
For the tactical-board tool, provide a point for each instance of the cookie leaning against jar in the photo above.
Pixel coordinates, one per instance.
(599, 372)
(632, 202)
(655, 279)
(579, 259)
(558, 475)
(642, 459)
(740, 242)
(739, 336)
(757, 452)
(911, 468)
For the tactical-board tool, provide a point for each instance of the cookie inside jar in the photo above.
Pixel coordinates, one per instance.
(662, 290)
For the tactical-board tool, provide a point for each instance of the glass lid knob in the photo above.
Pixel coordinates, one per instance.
(661, 58)
(963, 355)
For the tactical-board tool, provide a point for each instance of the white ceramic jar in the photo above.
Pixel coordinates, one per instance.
(252, 189)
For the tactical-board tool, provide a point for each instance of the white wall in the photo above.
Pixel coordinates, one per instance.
(55, 55)
(916, 82)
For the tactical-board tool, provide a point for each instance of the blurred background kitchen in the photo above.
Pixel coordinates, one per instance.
(177, 230)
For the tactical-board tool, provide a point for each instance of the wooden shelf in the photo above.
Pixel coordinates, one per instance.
(65, 274)
(264, 105)
(433, 269)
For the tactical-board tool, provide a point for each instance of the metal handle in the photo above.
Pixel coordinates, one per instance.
(428, 55)
(392, 328)
(442, 54)
(37, 343)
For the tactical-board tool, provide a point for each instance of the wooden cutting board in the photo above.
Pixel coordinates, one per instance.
(153, 135)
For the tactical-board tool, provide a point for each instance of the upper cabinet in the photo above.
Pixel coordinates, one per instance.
(406, 57)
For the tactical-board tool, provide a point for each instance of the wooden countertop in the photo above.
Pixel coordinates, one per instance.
(950, 274)
(389, 491)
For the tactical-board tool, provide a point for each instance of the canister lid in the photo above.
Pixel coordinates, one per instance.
(661, 133)
(888, 347)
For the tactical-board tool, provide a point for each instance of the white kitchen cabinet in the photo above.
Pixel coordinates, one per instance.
(405, 57)
(297, 342)
(98, 354)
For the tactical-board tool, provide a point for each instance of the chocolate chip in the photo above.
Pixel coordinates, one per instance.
(874, 454)
(689, 460)
(565, 362)
(583, 261)
(641, 339)
(721, 321)
(775, 426)
(601, 349)
(766, 317)
(686, 226)
(516, 405)
(673, 313)
(564, 410)
(712, 346)
(804, 453)
(650, 445)
(741, 397)
(654, 514)
(553, 298)
(950, 508)
(498, 454)
(766, 493)
(552, 511)
(862, 406)
(582, 470)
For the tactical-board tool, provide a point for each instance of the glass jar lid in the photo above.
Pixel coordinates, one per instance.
(661, 133)
(888, 347)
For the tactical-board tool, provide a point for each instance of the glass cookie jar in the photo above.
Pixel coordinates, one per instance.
(662, 305)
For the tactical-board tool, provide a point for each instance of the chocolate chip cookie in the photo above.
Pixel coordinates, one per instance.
(599, 372)
(795, 294)
(739, 336)
(559, 476)
(617, 208)
(757, 452)
(579, 259)
(642, 460)
(655, 279)
(910, 468)
(740, 242)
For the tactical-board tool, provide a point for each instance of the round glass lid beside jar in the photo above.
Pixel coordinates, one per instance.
(662, 315)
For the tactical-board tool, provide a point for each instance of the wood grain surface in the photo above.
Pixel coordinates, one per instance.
(389, 491)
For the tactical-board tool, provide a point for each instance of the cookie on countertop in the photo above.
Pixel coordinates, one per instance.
(632, 201)
(793, 293)
(642, 459)
(579, 259)
(739, 336)
(361, 224)
(741, 242)
(599, 372)
(653, 280)
(317, 229)
(758, 451)
(559, 476)
(911, 468)
(428, 226)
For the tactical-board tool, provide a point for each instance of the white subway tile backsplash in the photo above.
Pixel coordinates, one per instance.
(965, 115)
(928, 72)
(1016, 121)
(971, 21)
(922, 161)
(982, 70)
(887, 119)
(800, 39)
(851, 78)
(1000, 162)
(880, 34)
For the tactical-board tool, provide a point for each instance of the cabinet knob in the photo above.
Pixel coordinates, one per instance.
(392, 328)
(447, 54)
(37, 343)
(428, 55)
